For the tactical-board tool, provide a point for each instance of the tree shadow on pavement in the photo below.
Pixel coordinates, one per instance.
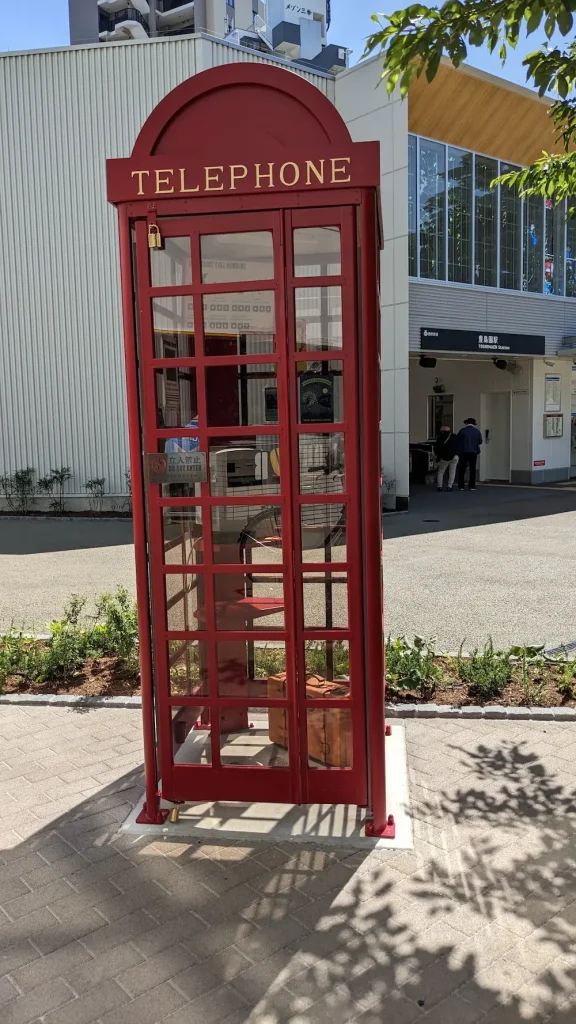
(478, 923)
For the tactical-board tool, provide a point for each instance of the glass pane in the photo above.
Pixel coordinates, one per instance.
(440, 413)
(412, 207)
(323, 532)
(179, 490)
(485, 220)
(171, 265)
(510, 232)
(318, 318)
(554, 255)
(432, 210)
(175, 445)
(321, 463)
(320, 392)
(328, 661)
(571, 252)
(188, 664)
(249, 601)
(185, 602)
(176, 401)
(459, 216)
(173, 320)
(251, 668)
(257, 737)
(182, 535)
(329, 737)
(246, 534)
(325, 600)
(316, 252)
(239, 323)
(533, 231)
(247, 465)
(191, 735)
(238, 396)
(242, 256)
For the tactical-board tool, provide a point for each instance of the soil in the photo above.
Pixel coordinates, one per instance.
(451, 690)
(102, 677)
(108, 677)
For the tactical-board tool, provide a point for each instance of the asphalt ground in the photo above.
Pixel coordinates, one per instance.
(499, 562)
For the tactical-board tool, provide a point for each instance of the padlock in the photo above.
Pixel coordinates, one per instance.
(154, 237)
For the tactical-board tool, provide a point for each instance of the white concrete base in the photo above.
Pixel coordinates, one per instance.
(336, 824)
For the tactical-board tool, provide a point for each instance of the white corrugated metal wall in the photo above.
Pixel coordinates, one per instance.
(63, 113)
(474, 309)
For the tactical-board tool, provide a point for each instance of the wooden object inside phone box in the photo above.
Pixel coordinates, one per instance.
(329, 739)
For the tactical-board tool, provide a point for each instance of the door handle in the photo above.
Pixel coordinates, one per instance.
(487, 432)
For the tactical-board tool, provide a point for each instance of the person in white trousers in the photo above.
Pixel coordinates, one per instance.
(446, 451)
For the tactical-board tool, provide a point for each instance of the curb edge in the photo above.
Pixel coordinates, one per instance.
(492, 712)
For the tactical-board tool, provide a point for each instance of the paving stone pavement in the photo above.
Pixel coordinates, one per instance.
(478, 923)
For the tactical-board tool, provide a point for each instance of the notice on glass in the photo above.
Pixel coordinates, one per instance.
(553, 393)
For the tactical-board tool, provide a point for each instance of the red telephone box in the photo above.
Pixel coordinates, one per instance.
(249, 260)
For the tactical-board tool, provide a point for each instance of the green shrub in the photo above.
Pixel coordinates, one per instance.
(18, 489)
(21, 656)
(531, 658)
(316, 654)
(411, 666)
(487, 672)
(117, 631)
(95, 490)
(73, 639)
(567, 683)
(269, 661)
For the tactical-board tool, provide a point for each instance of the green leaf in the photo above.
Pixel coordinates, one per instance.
(535, 18)
(477, 35)
(565, 20)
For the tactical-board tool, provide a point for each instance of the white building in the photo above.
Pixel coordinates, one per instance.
(495, 273)
(293, 31)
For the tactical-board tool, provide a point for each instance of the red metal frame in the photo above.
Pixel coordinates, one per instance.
(281, 210)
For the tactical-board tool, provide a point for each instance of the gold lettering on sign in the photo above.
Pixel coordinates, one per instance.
(237, 172)
(183, 182)
(191, 179)
(337, 169)
(163, 181)
(140, 175)
(260, 175)
(296, 176)
(213, 177)
(312, 169)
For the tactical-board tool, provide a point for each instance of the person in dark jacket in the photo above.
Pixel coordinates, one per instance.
(446, 451)
(469, 441)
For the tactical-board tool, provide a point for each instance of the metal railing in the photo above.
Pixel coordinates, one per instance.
(109, 23)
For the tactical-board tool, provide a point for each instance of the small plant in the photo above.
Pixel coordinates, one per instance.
(54, 486)
(320, 659)
(128, 501)
(411, 666)
(20, 655)
(567, 683)
(388, 486)
(95, 490)
(531, 658)
(117, 629)
(269, 661)
(487, 672)
(19, 490)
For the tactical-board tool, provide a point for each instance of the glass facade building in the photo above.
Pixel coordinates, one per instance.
(464, 231)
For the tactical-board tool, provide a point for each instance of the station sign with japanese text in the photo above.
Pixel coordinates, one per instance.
(441, 339)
